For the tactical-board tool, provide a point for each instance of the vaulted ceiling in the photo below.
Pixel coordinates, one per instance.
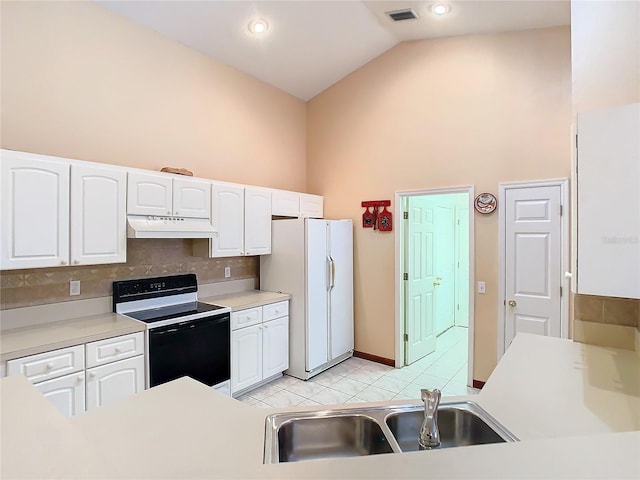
(310, 45)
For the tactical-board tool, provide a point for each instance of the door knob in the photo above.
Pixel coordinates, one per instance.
(512, 303)
(435, 284)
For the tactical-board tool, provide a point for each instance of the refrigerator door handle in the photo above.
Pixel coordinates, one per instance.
(332, 273)
(329, 274)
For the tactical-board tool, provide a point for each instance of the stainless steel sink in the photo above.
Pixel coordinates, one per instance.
(292, 437)
(459, 424)
(328, 436)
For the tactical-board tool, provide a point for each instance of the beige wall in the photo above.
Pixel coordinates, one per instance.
(81, 82)
(605, 50)
(437, 113)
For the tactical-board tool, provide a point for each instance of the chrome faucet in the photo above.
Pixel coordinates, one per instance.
(429, 434)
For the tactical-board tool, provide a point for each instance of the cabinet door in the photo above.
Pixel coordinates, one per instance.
(35, 211)
(114, 381)
(66, 393)
(98, 215)
(311, 206)
(191, 198)
(227, 206)
(149, 194)
(246, 357)
(275, 346)
(285, 204)
(257, 221)
(608, 173)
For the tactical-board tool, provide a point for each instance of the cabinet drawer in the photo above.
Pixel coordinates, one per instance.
(48, 365)
(275, 310)
(245, 318)
(116, 348)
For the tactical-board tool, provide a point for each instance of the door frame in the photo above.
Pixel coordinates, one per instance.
(399, 287)
(503, 187)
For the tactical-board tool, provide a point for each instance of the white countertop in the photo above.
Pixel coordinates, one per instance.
(184, 429)
(23, 341)
(549, 387)
(248, 299)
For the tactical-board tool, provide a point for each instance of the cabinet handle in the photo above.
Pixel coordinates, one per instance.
(118, 349)
(49, 366)
(76, 262)
(63, 262)
(80, 379)
(169, 212)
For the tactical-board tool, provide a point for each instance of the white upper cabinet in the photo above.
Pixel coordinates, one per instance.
(608, 174)
(149, 194)
(35, 211)
(294, 204)
(56, 213)
(311, 206)
(257, 221)
(98, 215)
(161, 195)
(285, 204)
(191, 198)
(241, 219)
(228, 221)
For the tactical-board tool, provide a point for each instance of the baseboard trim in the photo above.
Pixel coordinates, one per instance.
(375, 358)
(478, 384)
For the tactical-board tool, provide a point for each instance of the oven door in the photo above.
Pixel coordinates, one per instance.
(199, 349)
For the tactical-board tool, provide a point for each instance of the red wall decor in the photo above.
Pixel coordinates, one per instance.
(376, 219)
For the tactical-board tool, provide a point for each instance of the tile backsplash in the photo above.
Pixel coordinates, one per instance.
(607, 310)
(145, 258)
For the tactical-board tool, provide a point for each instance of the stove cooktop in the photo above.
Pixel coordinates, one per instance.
(172, 311)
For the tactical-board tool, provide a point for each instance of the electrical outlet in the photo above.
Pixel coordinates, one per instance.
(74, 287)
(227, 272)
(482, 287)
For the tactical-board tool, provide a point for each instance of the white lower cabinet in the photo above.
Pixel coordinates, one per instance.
(113, 381)
(65, 393)
(275, 346)
(259, 351)
(83, 377)
(246, 357)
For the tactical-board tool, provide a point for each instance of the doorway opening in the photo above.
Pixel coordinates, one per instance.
(434, 278)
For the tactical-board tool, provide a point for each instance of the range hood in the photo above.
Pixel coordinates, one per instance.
(144, 226)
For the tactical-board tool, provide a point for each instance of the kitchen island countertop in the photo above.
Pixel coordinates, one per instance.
(183, 429)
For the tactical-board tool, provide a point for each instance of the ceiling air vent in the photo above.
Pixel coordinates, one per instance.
(404, 14)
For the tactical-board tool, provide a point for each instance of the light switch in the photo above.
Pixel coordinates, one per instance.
(482, 287)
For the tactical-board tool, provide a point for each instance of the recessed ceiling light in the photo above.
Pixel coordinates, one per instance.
(440, 9)
(258, 26)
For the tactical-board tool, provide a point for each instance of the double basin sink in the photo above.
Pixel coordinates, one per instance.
(292, 437)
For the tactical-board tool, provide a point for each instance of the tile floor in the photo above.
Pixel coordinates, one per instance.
(358, 380)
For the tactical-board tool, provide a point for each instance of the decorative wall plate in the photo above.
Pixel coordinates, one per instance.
(485, 203)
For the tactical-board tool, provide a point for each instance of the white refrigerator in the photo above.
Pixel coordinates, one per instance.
(312, 259)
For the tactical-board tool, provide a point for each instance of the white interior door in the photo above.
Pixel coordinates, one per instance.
(444, 216)
(533, 261)
(341, 287)
(317, 271)
(419, 268)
